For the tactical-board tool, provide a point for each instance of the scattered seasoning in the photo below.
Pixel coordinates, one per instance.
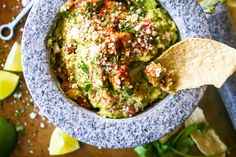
(17, 95)
(19, 127)
(42, 125)
(30, 103)
(43, 118)
(19, 112)
(33, 115)
(28, 141)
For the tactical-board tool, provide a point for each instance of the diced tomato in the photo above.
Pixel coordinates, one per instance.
(130, 110)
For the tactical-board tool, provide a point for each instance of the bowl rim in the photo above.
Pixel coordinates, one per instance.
(84, 125)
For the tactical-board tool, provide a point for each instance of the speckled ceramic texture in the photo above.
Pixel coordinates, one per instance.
(87, 126)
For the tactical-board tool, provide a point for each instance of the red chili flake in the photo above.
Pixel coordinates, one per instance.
(109, 99)
(130, 110)
(70, 49)
(123, 71)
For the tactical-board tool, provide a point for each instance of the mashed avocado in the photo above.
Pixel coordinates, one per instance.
(100, 52)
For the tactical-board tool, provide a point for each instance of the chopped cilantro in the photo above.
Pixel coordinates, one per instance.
(89, 15)
(106, 22)
(65, 14)
(99, 4)
(89, 8)
(84, 67)
(19, 112)
(146, 150)
(19, 127)
(87, 87)
(30, 103)
(1, 50)
(126, 27)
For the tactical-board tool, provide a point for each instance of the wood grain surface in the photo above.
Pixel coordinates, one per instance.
(34, 140)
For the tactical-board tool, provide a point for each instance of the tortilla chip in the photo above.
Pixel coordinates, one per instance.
(195, 62)
(208, 143)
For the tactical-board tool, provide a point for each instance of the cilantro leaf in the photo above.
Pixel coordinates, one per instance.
(146, 150)
(126, 27)
(179, 144)
(189, 130)
(84, 67)
(185, 144)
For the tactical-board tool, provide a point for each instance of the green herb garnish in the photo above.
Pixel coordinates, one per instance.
(106, 22)
(1, 50)
(126, 27)
(84, 67)
(179, 144)
(19, 127)
(87, 87)
(19, 112)
(30, 103)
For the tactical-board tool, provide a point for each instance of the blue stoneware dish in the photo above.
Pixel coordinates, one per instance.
(86, 126)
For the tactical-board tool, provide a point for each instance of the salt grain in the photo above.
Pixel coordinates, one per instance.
(33, 115)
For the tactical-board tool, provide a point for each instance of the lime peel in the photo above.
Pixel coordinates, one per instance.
(7, 137)
(8, 83)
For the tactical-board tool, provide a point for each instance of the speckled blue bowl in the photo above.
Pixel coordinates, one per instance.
(85, 125)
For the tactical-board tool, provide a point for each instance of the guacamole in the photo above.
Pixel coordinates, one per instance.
(101, 52)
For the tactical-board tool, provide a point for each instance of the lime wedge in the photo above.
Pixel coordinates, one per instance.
(61, 143)
(7, 138)
(13, 62)
(8, 83)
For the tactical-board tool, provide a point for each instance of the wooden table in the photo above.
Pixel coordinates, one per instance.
(34, 140)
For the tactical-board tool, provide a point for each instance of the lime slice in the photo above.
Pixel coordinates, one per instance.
(13, 62)
(7, 138)
(61, 143)
(8, 83)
